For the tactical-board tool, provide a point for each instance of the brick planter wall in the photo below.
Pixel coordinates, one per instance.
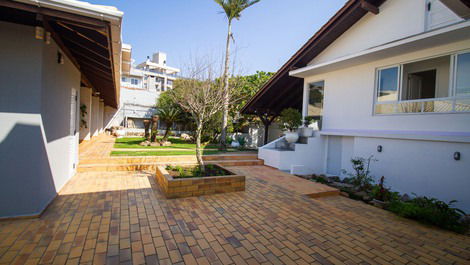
(187, 187)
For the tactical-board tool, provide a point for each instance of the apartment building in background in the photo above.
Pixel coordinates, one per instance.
(141, 85)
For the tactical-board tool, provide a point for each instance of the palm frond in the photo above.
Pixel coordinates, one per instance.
(234, 8)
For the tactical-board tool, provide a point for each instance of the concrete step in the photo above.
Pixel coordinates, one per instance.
(162, 159)
(153, 165)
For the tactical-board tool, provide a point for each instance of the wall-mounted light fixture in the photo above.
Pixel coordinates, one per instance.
(457, 156)
(60, 58)
(379, 148)
(39, 33)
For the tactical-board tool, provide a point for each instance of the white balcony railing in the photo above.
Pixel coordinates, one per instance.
(431, 105)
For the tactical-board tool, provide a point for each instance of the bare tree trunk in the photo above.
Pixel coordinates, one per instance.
(223, 135)
(198, 146)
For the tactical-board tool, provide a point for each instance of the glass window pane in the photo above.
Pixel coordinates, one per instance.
(388, 84)
(315, 99)
(463, 74)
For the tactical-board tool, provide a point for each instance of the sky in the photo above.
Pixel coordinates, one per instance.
(266, 36)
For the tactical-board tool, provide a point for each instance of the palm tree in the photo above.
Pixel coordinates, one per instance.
(169, 116)
(233, 10)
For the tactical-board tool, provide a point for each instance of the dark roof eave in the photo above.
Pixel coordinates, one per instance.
(302, 56)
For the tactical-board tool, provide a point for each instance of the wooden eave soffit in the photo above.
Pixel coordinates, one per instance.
(369, 7)
(459, 7)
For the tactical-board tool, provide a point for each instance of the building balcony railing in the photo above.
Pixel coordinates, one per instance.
(460, 104)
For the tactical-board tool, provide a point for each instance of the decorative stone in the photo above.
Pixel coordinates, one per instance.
(377, 203)
(166, 143)
(341, 185)
(334, 179)
(186, 137)
(145, 143)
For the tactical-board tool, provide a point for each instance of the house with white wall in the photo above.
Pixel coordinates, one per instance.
(141, 86)
(60, 73)
(390, 79)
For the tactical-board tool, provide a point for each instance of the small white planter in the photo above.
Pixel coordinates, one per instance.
(292, 137)
(235, 144)
(306, 132)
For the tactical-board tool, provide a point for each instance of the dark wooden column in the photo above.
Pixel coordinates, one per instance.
(266, 119)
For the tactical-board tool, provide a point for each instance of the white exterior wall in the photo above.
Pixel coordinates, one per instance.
(110, 117)
(138, 97)
(418, 149)
(397, 19)
(101, 117)
(349, 98)
(37, 142)
(422, 167)
(85, 99)
(95, 109)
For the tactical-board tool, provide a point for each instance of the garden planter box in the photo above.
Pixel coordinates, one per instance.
(188, 187)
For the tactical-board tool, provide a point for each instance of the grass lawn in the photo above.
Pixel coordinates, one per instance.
(162, 153)
(177, 143)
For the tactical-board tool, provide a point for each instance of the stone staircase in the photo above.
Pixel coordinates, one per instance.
(138, 163)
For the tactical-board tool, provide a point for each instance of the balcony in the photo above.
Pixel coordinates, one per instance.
(433, 105)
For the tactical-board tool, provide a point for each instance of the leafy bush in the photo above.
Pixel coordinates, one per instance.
(310, 119)
(361, 177)
(431, 211)
(380, 192)
(290, 119)
(241, 140)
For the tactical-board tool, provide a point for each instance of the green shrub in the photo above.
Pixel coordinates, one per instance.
(241, 140)
(361, 177)
(290, 119)
(431, 211)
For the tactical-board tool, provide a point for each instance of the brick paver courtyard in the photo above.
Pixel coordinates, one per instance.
(123, 218)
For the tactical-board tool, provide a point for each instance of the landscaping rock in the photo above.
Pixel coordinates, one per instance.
(363, 195)
(186, 137)
(145, 143)
(334, 179)
(341, 185)
(166, 143)
(377, 203)
(155, 144)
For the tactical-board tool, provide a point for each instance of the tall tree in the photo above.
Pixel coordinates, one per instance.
(200, 95)
(233, 10)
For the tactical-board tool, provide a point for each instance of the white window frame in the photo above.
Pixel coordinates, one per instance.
(377, 78)
(452, 88)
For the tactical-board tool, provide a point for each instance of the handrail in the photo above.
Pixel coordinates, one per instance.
(270, 144)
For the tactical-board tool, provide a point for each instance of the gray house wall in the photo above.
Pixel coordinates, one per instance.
(35, 143)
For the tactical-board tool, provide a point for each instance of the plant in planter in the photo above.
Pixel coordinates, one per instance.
(307, 131)
(83, 113)
(290, 120)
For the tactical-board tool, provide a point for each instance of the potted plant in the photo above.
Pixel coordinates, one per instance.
(290, 120)
(307, 131)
